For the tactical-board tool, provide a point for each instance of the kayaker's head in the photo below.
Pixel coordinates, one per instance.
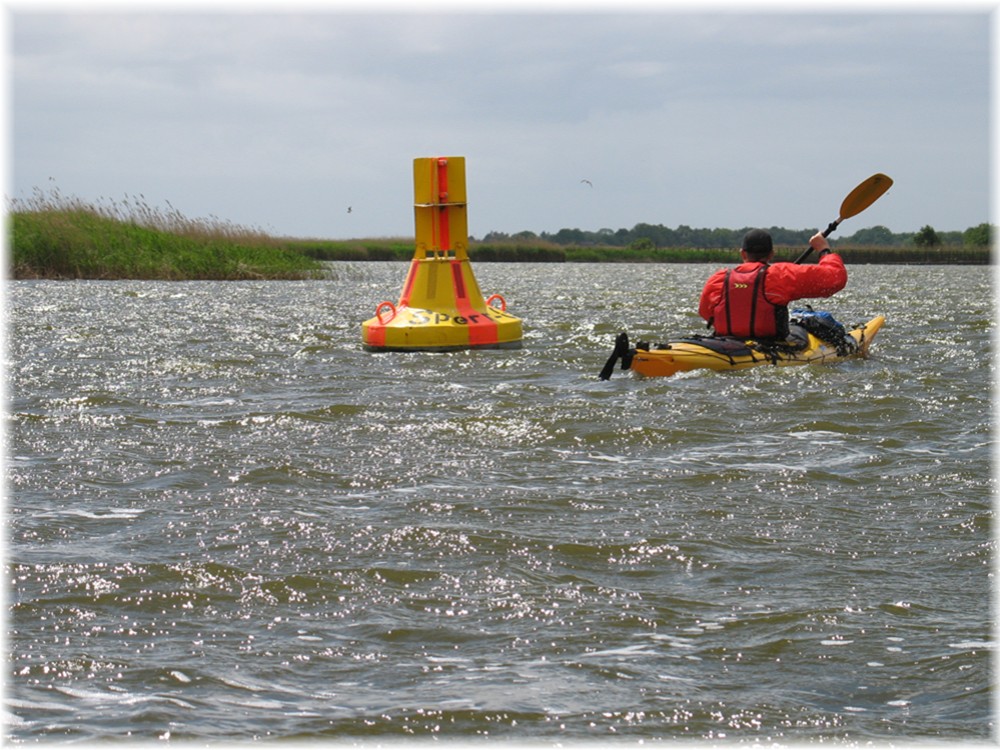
(757, 246)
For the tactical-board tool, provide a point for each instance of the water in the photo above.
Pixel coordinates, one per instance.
(228, 522)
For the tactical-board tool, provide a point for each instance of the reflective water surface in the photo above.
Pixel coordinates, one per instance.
(227, 521)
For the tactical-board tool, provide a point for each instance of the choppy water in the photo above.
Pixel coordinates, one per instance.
(227, 521)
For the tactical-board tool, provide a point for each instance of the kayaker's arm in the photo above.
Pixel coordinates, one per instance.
(787, 282)
(819, 242)
(711, 294)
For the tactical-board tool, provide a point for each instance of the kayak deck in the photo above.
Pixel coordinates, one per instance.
(716, 353)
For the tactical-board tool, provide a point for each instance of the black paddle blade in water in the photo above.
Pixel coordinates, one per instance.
(620, 350)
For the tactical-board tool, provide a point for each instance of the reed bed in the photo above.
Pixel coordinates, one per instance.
(56, 236)
(944, 255)
(401, 250)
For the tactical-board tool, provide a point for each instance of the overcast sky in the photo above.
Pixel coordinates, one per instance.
(282, 120)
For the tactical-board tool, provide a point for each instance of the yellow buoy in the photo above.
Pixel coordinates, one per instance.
(440, 307)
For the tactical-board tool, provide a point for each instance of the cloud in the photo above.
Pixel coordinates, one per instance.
(723, 119)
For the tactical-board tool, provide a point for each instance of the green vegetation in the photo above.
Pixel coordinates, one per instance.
(927, 237)
(979, 236)
(402, 249)
(641, 253)
(56, 237)
(646, 245)
(657, 235)
(390, 249)
(855, 254)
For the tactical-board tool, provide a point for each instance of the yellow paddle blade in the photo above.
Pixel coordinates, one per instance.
(864, 195)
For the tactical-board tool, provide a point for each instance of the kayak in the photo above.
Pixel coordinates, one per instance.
(818, 340)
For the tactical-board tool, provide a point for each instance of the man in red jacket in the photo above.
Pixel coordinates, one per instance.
(751, 300)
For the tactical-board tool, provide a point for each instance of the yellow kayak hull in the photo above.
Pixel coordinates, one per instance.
(683, 356)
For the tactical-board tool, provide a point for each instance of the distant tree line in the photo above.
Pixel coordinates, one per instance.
(644, 236)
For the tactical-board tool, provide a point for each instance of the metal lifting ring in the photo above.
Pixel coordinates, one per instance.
(378, 311)
(503, 302)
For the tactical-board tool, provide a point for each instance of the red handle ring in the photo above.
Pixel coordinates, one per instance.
(378, 312)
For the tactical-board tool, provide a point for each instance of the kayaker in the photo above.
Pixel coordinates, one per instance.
(751, 300)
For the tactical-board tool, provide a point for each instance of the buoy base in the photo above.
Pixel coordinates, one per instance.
(376, 349)
(420, 330)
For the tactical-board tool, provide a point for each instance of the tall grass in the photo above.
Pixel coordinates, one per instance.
(389, 249)
(56, 236)
(869, 254)
(483, 252)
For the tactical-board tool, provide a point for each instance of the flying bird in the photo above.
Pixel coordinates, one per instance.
(348, 209)
(588, 182)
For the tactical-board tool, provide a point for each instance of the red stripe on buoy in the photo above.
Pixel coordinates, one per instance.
(456, 274)
(376, 336)
(444, 231)
(404, 297)
(442, 180)
(483, 330)
(375, 332)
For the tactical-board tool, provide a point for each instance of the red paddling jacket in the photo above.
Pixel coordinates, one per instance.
(751, 300)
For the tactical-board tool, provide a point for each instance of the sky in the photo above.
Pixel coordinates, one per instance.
(303, 120)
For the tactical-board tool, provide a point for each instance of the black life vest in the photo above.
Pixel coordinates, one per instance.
(745, 311)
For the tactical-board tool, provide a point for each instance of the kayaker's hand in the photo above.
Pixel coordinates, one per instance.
(818, 242)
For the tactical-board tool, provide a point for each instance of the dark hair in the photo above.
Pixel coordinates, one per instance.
(757, 243)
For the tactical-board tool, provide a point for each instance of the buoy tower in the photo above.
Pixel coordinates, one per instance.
(440, 307)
